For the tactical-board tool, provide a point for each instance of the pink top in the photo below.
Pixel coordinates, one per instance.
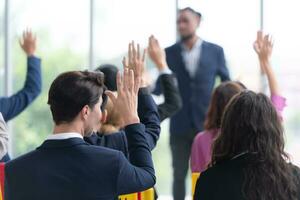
(201, 149)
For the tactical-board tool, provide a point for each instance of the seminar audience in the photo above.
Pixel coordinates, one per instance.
(66, 167)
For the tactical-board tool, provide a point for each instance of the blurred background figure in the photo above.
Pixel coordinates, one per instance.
(196, 64)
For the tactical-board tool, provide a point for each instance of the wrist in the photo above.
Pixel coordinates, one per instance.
(134, 119)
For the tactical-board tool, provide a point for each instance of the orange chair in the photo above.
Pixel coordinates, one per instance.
(195, 177)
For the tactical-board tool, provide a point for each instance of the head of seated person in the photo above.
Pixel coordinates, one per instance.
(77, 102)
(113, 121)
(251, 129)
(220, 98)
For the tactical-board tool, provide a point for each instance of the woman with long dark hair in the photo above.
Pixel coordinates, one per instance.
(248, 159)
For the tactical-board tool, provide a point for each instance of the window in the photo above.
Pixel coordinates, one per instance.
(280, 20)
(62, 28)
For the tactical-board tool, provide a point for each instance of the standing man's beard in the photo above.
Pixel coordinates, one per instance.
(186, 37)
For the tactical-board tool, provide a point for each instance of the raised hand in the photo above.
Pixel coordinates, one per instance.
(157, 54)
(136, 62)
(126, 101)
(28, 42)
(263, 46)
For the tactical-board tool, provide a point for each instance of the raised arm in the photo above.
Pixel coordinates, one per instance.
(263, 46)
(167, 81)
(3, 137)
(15, 104)
(147, 109)
(137, 174)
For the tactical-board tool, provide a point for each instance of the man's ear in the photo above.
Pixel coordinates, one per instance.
(85, 111)
(104, 116)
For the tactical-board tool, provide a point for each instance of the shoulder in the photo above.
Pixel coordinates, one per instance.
(172, 48)
(213, 46)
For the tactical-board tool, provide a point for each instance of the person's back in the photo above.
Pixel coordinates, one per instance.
(226, 180)
(66, 169)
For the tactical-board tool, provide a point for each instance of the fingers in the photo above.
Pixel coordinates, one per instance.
(144, 55)
(119, 83)
(125, 63)
(112, 96)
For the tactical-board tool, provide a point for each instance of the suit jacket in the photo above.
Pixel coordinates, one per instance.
(72, 169)
(195, 91)
(148, 114)
(226, 180)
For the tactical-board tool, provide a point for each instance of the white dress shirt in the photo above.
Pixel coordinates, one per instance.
(64, 136)
(191, 57)
(3, 137)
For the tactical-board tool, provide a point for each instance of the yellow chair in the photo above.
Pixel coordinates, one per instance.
(148, 194)
(195, 177)
(0, 194)
(133, 196)
(145, 195)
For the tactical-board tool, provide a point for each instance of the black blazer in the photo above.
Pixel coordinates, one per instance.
(225, 180)
(172, 103)
(72, 169)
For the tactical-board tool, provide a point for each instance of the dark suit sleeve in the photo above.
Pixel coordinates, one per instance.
(222, 70)
(203, 188)
(148, 114)
(15, 104)
(172, 103)
(138, 173)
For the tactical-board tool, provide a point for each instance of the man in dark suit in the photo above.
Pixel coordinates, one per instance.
(13, 105)
(65, 166)
(196, 64)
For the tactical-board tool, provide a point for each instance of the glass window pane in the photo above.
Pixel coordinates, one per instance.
(281, 21)
(62, 28)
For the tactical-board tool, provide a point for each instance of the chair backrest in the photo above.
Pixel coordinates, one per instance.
(195, 177)
(133, 196)
(145, 195)
(2, 176)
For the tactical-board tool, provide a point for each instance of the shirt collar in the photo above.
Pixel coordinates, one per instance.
(195, 46)
(63, 136)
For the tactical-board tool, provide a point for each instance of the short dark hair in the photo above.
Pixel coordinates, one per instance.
(110, 73)
(192, 11)
(71, 91)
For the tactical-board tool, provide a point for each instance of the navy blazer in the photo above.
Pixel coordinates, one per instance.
(72, 169)
(195, 91)
(148, 114)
